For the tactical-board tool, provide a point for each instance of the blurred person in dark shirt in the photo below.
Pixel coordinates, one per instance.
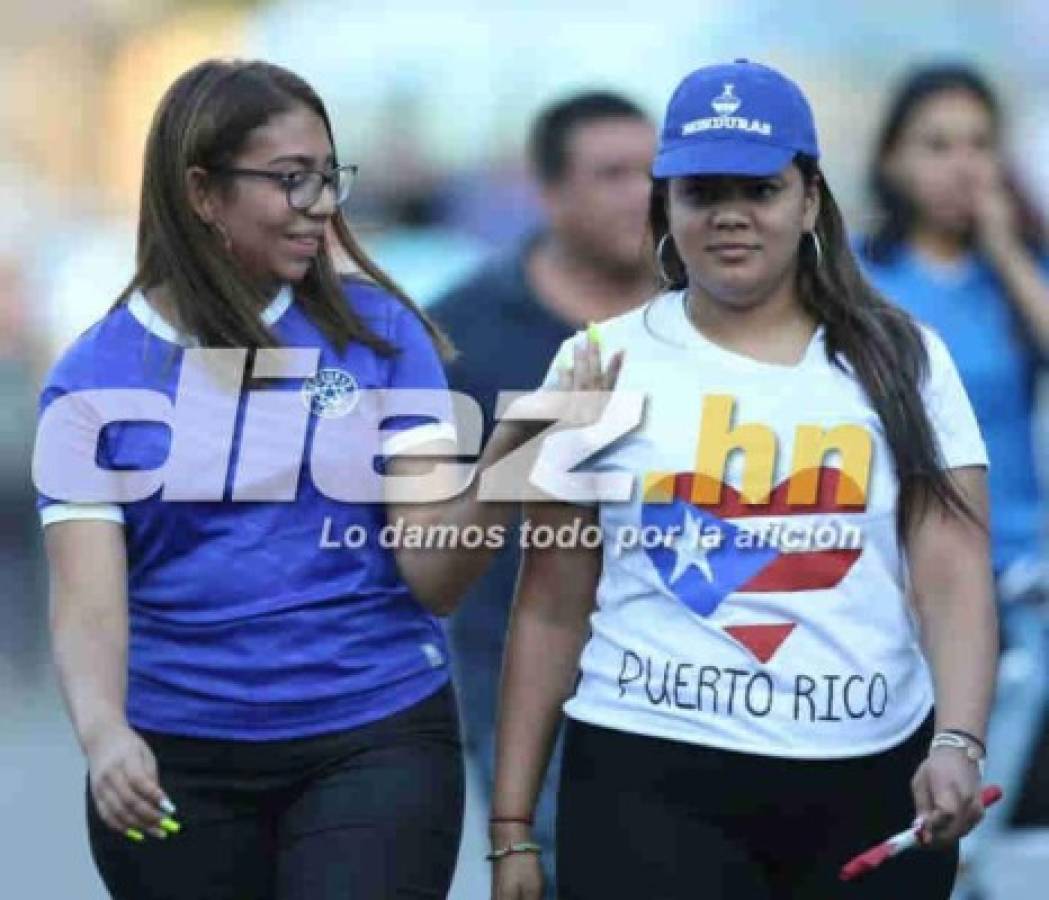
(22, 610)
(591, 155)
(961, 248)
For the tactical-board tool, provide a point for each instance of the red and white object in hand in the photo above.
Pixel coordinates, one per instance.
(898, 843)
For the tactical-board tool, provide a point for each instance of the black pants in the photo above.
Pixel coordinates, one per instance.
(366, 814)
(663, 820)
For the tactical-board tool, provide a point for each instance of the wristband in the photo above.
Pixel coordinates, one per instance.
(522, 847)
(972, 738)
(505, 820)
(957, 742)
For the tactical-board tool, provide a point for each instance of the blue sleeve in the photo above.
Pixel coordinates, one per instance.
(60, 383)
(417, 367)
(48, 395)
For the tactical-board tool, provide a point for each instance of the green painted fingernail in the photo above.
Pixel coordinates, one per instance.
(593, 333)
(170, 825)
(134, 834)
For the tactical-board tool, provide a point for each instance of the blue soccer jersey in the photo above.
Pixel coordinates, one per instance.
(262, 619)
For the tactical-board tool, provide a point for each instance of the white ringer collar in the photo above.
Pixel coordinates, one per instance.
(156, 325)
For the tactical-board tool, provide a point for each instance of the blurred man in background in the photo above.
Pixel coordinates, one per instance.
(591, 155)
(23, 613)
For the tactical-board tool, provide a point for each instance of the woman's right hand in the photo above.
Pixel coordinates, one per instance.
(124, 780)
(587, 378)
(518, 876)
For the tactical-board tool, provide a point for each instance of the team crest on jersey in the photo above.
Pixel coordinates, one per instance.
(330, 393)
(726, 105)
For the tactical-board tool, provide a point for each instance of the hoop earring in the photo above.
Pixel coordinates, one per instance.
(817, 247)
(662, 269)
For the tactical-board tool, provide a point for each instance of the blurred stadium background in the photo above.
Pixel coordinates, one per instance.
(433, 102)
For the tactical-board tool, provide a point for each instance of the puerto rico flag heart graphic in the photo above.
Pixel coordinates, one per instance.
(704, 563)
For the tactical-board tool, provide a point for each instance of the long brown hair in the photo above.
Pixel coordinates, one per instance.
(204, 120)
(880, 341)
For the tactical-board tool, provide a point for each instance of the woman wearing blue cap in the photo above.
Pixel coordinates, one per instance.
(784, 649)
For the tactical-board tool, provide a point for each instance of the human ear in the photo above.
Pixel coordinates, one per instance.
(200, 195)
(203, 202)
(555, 205)
(891, 169)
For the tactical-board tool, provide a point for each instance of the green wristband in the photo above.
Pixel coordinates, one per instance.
(520, 847)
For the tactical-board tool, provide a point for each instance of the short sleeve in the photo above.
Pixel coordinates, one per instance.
(417, 366)
(50, 509)
(950, 412)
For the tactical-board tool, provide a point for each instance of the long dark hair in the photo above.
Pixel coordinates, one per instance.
(204, 120)
(896, 212)
(882, 344)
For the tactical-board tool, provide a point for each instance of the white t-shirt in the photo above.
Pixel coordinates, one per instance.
(781, 629)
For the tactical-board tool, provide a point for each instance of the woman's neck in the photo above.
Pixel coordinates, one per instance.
(938, 245)
(162, 299)
(776, 329)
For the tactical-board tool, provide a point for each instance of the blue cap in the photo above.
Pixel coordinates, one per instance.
(741, 118)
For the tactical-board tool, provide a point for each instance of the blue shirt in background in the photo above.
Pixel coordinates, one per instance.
(967, 305)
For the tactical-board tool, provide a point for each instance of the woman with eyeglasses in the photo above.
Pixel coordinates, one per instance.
(258, 681)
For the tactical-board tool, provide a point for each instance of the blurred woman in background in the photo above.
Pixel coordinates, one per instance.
(959, 247)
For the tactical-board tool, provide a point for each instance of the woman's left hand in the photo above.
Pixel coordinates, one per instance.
(946, 791)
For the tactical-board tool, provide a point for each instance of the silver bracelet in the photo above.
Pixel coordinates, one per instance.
(955, 741)
(519, 847)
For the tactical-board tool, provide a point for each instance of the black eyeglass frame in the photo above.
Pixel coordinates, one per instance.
(288, 181)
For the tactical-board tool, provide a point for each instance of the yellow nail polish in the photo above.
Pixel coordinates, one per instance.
(593, 333)
(135, 835)
(170, 825)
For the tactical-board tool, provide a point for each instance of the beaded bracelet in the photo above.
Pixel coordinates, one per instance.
(522, 847)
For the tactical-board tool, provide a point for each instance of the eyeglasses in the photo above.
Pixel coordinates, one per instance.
(303, 188)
